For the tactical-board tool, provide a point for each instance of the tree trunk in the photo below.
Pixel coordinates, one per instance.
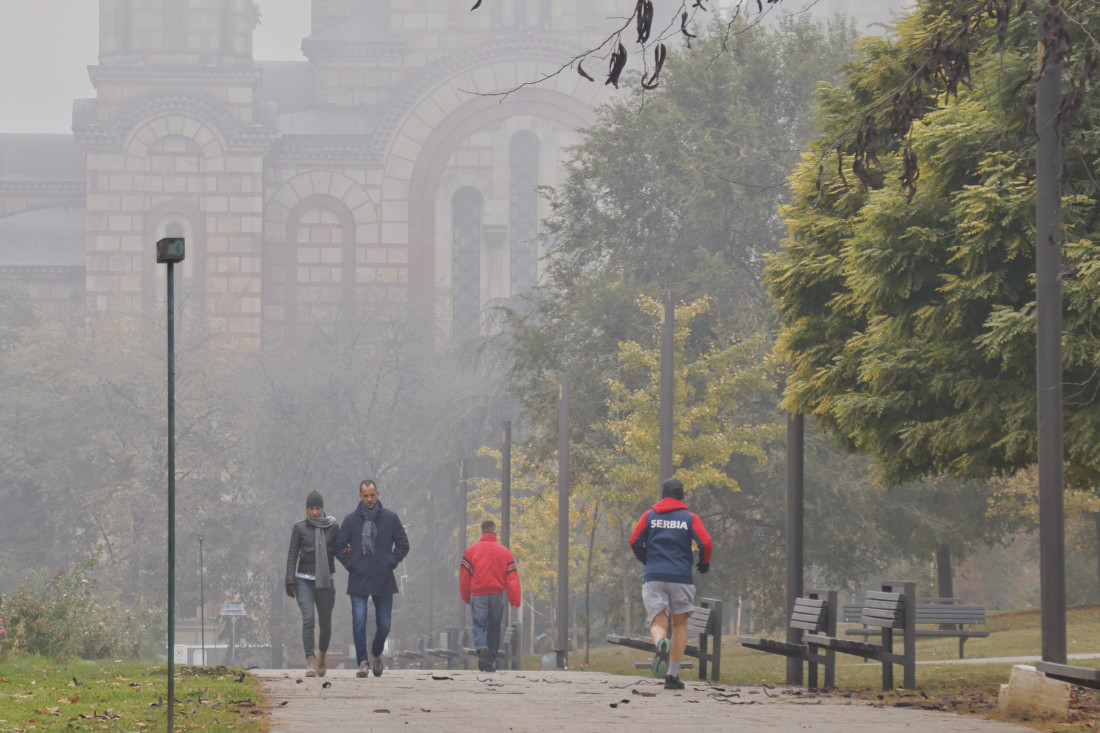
(588, 586)
(1096, 523)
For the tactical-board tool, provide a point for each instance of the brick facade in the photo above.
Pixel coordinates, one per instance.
(309, 191)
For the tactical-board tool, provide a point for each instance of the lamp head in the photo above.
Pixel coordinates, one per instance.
(170, 249)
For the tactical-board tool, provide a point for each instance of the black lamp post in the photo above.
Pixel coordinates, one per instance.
(563, 521)
(202, 606)
(170, 251)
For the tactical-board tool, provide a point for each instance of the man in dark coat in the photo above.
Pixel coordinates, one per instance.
(371, 544)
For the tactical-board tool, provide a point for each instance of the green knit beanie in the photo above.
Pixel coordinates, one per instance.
(314, 499)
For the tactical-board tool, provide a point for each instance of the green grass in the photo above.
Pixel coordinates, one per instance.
(1014, 633)
(40, 695)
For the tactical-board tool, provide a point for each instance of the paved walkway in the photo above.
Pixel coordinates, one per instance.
(442, 701)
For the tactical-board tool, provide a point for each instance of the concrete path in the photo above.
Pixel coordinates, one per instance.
(446, 701)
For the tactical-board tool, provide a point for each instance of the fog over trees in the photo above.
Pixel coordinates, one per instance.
(705, 186)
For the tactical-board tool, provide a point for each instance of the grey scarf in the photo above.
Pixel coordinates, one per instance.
(370, 530)
(323, 576)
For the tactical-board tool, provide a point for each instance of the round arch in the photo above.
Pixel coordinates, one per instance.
(427, 171)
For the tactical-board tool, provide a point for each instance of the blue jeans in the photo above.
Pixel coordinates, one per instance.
(383, 609)
(486, 613)
(308, 597)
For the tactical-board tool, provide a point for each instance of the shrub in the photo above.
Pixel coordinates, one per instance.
(63, 619)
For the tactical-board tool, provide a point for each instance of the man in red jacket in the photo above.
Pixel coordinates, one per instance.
(487, 570)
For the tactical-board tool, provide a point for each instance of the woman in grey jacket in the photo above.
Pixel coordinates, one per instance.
(310, 565)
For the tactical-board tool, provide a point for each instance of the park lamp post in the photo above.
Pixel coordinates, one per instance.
(202, 606)
(169, 252)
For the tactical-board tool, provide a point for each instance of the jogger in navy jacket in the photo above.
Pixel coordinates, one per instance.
(663, 541)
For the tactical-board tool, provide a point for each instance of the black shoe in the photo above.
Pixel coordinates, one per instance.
(673, 683)
(489, 667)
(482, 665)
(377, 668)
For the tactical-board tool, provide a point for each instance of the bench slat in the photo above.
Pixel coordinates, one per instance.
(848, 645)
(1084, 676)
(773, 646)
(704, 622)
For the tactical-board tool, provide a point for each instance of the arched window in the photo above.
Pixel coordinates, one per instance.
(321, 261)
(523, 159)
(466, 262)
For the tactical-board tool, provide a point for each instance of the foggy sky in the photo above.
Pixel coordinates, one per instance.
(46, 47)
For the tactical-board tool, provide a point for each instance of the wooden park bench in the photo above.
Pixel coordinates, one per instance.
(407, 657)
(814, 613)
(705, 624)
(450, 648)
(1082, 676)
(948, 615)
(891, 609)
(509, 646)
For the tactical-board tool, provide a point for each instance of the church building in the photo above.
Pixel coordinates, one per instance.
(387, 172)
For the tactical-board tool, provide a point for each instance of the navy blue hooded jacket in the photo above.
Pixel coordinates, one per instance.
(662, 540)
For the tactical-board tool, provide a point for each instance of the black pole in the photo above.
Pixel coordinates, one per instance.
(202, 605)
(668, 328)
(431, 561)
(795, 526)
(945, 586)
(506, 486)
(170, 250)
(563, 522)
(462, 529)
(1048, 342)
(171, 503)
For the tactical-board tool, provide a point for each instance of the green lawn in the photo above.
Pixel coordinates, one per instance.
(1015, 633)
(41, 695)
(965, 688)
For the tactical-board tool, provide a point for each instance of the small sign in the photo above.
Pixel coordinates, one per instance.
(179, 653)
(233, 608)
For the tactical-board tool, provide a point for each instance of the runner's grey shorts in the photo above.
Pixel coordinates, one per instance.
(660, 595)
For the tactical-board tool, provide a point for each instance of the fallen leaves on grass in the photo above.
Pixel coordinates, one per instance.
(1084, 705)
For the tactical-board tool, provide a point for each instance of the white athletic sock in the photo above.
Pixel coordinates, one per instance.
(673, 669)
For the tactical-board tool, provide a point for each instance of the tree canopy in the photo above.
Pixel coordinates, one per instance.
(671, 189)
(908, 314)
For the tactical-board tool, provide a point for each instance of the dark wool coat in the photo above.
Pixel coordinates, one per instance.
(372, 574)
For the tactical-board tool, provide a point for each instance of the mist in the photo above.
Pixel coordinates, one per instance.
(366, 241)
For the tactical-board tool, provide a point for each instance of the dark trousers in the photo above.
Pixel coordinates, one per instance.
(323, 599)
(486, 613)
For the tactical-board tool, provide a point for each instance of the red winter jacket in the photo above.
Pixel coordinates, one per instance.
(487, 568)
